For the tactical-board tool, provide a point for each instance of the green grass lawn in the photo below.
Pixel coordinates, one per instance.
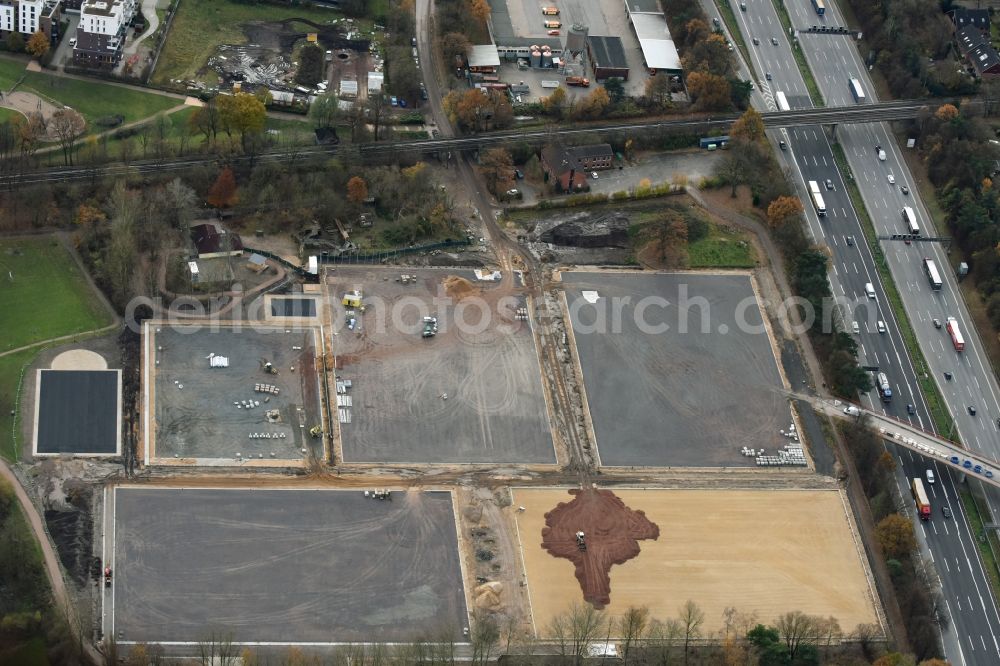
(201, 26)
(8, 115)
(94, 99)
(721, 249)
(47, 297)
(10, 71)
(10, 376)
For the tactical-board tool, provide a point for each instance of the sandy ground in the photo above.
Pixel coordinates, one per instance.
(79, 359)
(765, 551)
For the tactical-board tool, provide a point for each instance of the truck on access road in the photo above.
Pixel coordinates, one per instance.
(580, 81)
(956, 334)
(920, 497)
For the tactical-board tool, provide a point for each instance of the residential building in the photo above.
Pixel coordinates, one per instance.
(211, 241)
(976, 48)
(568, 167)
(100, 37)
(607, 57)
(29, 16)
(962, 17)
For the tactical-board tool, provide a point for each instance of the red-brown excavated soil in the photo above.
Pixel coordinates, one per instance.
(611, 532)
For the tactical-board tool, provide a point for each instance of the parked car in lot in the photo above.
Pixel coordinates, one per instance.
(593, 174)
(553, 33)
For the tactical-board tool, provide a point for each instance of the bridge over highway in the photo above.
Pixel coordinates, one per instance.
(946, 452)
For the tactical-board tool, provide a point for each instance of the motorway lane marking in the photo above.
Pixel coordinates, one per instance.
(946, 565)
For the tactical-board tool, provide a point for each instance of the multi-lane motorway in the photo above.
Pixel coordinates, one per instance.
(971, 637)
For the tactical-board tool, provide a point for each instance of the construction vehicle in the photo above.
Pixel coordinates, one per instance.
(430, 327)
(316, 431)
(351, 299)
(580, 81)
(268, 367)
(581, 542)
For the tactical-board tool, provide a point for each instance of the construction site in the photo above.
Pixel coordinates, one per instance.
(446, 444)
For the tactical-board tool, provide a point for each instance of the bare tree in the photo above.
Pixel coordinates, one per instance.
(218, 650)
(692, 617)
(796, 628)
(484, 636)
(68, 126)
(632, 626)
(662, 638)
(866, 635)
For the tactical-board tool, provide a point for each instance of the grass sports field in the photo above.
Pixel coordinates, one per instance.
(755, 550)
(43, 293)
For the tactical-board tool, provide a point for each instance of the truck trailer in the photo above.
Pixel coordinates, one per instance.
(920, 498)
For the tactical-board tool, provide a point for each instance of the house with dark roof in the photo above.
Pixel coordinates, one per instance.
(567, 168)
(211, 241)
(962, 17)
(607, 57)
(976, 48)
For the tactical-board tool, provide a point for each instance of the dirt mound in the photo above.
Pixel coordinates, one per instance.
(459, 288)
(487, 595)
(611, 534)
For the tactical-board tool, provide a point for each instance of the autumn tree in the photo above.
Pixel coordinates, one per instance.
(480, 10)
(88, 215)
(554, 103)
(710, 55)
(749, 127)
(223, 192)
(946, 112)
(29, 131)
(895, 659)
(455, 45)
(474, 109)
(242, 114)
(498, 168)
(657, 93)
(783, 210)
(594, 105)
(205, 120)
(38, 44)
(894, 534)
(68, 126)
(357, 190)
(709, 92)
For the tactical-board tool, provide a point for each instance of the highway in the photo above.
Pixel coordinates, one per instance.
(853, 265)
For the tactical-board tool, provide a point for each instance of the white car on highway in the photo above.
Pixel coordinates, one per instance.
(892, 179)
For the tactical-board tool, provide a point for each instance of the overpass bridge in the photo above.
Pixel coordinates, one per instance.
(864, 113)
(945, 452)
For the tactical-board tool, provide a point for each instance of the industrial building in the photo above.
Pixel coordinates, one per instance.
(650, 25)
(607, 57)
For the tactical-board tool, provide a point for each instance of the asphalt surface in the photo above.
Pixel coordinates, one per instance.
(833, 61)
(283, 566)
(78, 412)
(684, 395)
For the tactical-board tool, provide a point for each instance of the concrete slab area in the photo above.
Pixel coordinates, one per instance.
(692, 394)
(202, 414)
(282, 566)
(470, 394)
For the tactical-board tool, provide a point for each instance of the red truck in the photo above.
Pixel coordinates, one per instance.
(578, 81)
(956, 334)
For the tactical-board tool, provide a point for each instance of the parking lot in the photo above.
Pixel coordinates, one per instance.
(692, 394)
(472, 393)
(281, 566)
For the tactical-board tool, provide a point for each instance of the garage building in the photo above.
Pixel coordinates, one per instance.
(607, 57)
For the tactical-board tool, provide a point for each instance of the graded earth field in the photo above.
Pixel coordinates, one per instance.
(764, 551)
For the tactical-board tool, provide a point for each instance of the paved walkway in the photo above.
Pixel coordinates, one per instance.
(153, 22)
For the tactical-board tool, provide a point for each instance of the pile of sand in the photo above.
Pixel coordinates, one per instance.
(459, 288)
(487, 595)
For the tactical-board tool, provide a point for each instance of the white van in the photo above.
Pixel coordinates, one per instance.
(930, 476)
(870, 290)
(855, 328)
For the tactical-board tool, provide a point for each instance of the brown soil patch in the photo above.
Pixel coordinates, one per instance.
(459, 288)
(743, 203)
(611, 534)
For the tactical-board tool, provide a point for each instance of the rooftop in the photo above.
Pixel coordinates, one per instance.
(607, 52)
(657, 45)
(484, 55)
